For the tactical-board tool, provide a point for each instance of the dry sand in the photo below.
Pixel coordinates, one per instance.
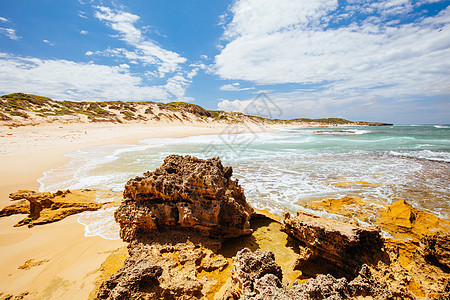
(68, 258)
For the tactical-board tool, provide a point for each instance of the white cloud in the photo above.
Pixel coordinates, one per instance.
(234, 87)
(48, 42)
(3, 19)
(421, 2)
(68, 80)
(83, 32)
(177, 86)
(82, 14)
(291, 41)
(10, 33)
(146, 50)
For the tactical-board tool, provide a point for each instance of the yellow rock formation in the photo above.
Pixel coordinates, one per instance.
(355, 183)
(404, 221)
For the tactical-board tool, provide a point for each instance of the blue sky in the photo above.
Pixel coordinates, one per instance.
(362, 60)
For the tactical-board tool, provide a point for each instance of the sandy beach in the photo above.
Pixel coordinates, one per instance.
(64, 261)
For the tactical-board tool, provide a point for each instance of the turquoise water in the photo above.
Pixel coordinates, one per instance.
(282, 170)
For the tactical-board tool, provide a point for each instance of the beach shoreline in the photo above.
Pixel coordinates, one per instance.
(66, 260)
(57, 260)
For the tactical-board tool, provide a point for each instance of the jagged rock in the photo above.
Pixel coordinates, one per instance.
(256, 276)
(165, 270)
(437, 248)
(339, 247)
(185, 193)
(20, 207)
(133, 276)
(49, 207)
(249, 266)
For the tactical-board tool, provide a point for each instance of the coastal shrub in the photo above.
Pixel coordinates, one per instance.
(39, 100)
(24, 100)
(4, 117)
(93, 106)
(14, 105)
(162, 106)
(19, 114)
(216, 114)
(129, 106)
(62, 112)
(189, 107)
(127, 113)
(149, 110)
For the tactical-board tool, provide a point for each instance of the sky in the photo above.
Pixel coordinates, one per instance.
(385, 60)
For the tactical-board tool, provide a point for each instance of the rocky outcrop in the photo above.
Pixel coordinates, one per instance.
(436, 248)
(175, 219)
(257, 276)
(249, 268)
(337, 247)
(402, 220)
(133, 276)
(168, 267)
(50, 207)
(185, 193)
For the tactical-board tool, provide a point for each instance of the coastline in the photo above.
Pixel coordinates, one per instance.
(63, 263)
(63, 259)
(28, 151)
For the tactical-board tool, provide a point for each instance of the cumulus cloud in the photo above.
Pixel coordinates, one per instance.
(83, 32)
(339, 51)
(68, 80)
(146, 51)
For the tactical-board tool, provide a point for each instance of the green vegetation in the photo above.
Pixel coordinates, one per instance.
(188, 107)
(330, 121)
(19, 114)
(127, 113)
(18, 104)
(4, 117)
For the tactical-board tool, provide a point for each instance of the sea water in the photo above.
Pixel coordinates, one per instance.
(284, 169)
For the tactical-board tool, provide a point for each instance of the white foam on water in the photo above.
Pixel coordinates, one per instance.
(432, 155)
(278, 170)
(101, 223)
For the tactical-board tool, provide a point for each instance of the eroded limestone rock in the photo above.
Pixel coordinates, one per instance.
(337, 246)
(256, 276)
(436, 248)
(49, 207)
(166, 270)
(185, 193)
(402, 220)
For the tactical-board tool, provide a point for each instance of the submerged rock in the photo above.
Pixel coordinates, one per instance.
(185, 193)
(336, 246)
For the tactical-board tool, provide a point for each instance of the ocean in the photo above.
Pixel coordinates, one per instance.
(282, 170)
